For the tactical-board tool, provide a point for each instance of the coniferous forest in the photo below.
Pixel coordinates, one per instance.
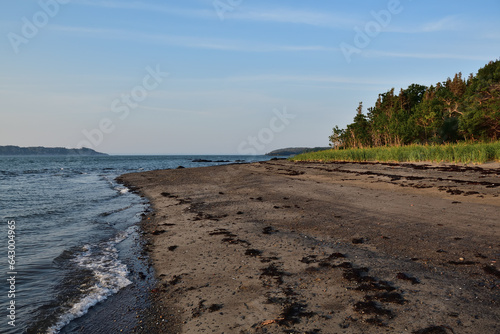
(458, 109)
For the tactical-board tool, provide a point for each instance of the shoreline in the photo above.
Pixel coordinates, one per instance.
(323, 248)
(127, 309)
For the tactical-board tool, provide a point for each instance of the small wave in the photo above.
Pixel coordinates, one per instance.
(109, 213)
(120, 189)
(8, 173)
(110, 275)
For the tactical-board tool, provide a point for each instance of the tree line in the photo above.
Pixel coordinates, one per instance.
(457, 109)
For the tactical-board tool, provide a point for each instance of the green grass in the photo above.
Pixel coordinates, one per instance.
(461, 152)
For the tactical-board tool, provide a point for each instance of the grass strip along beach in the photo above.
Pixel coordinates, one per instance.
(460, 152)
(338, 247)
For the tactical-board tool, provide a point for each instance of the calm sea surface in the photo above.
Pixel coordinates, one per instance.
(70, 219)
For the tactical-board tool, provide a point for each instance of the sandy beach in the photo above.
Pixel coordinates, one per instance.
(283, 247)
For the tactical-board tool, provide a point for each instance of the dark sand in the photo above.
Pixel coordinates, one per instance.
(283, 247)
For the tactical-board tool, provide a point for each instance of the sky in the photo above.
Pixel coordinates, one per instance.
(221, 76)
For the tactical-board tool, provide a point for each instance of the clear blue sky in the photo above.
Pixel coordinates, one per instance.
(83, 72)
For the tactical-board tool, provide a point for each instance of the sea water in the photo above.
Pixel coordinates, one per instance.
(69, 217)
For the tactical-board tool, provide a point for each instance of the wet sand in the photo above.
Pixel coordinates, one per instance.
(283, 247)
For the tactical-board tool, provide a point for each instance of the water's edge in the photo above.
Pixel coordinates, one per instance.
(126, 310)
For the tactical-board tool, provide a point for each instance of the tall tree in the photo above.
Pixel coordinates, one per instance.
(455, 109)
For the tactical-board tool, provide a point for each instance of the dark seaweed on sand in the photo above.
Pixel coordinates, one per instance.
(388, 297)
(405, 277)
(273, 271)
(253, 252)
(269, 230)
(492, 271)
(292, 313)
(434, 330)
(371, 307)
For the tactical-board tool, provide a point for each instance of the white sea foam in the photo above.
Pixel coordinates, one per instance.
(110, 276)
(121, 190)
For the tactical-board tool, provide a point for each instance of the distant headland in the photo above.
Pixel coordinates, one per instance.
(16, 150)
(295, 150)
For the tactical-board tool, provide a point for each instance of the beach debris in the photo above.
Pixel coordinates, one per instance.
(343, 265)
(267, 259)
(215, 307)
(269, 230)
(371, 307)
(455, 191)
(358, 275)
(198, 311)
(435, 330)
(253, 252)
(405, 277)
(175, 280)
(269, 322)
(233, 241)
(336, 256)
(229, 237)
(205, 216)
(273, 271)
(462, 261)
(172, 248)
(292, 313)
(309, 259)
(357, 241)
(184, 201)
(376, 321)
(376, 286)
(222, 231)
(492, 271)
(291, 172)
(388, 297)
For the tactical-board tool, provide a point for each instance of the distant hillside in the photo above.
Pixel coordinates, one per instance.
(295, 150)
(16, 150)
